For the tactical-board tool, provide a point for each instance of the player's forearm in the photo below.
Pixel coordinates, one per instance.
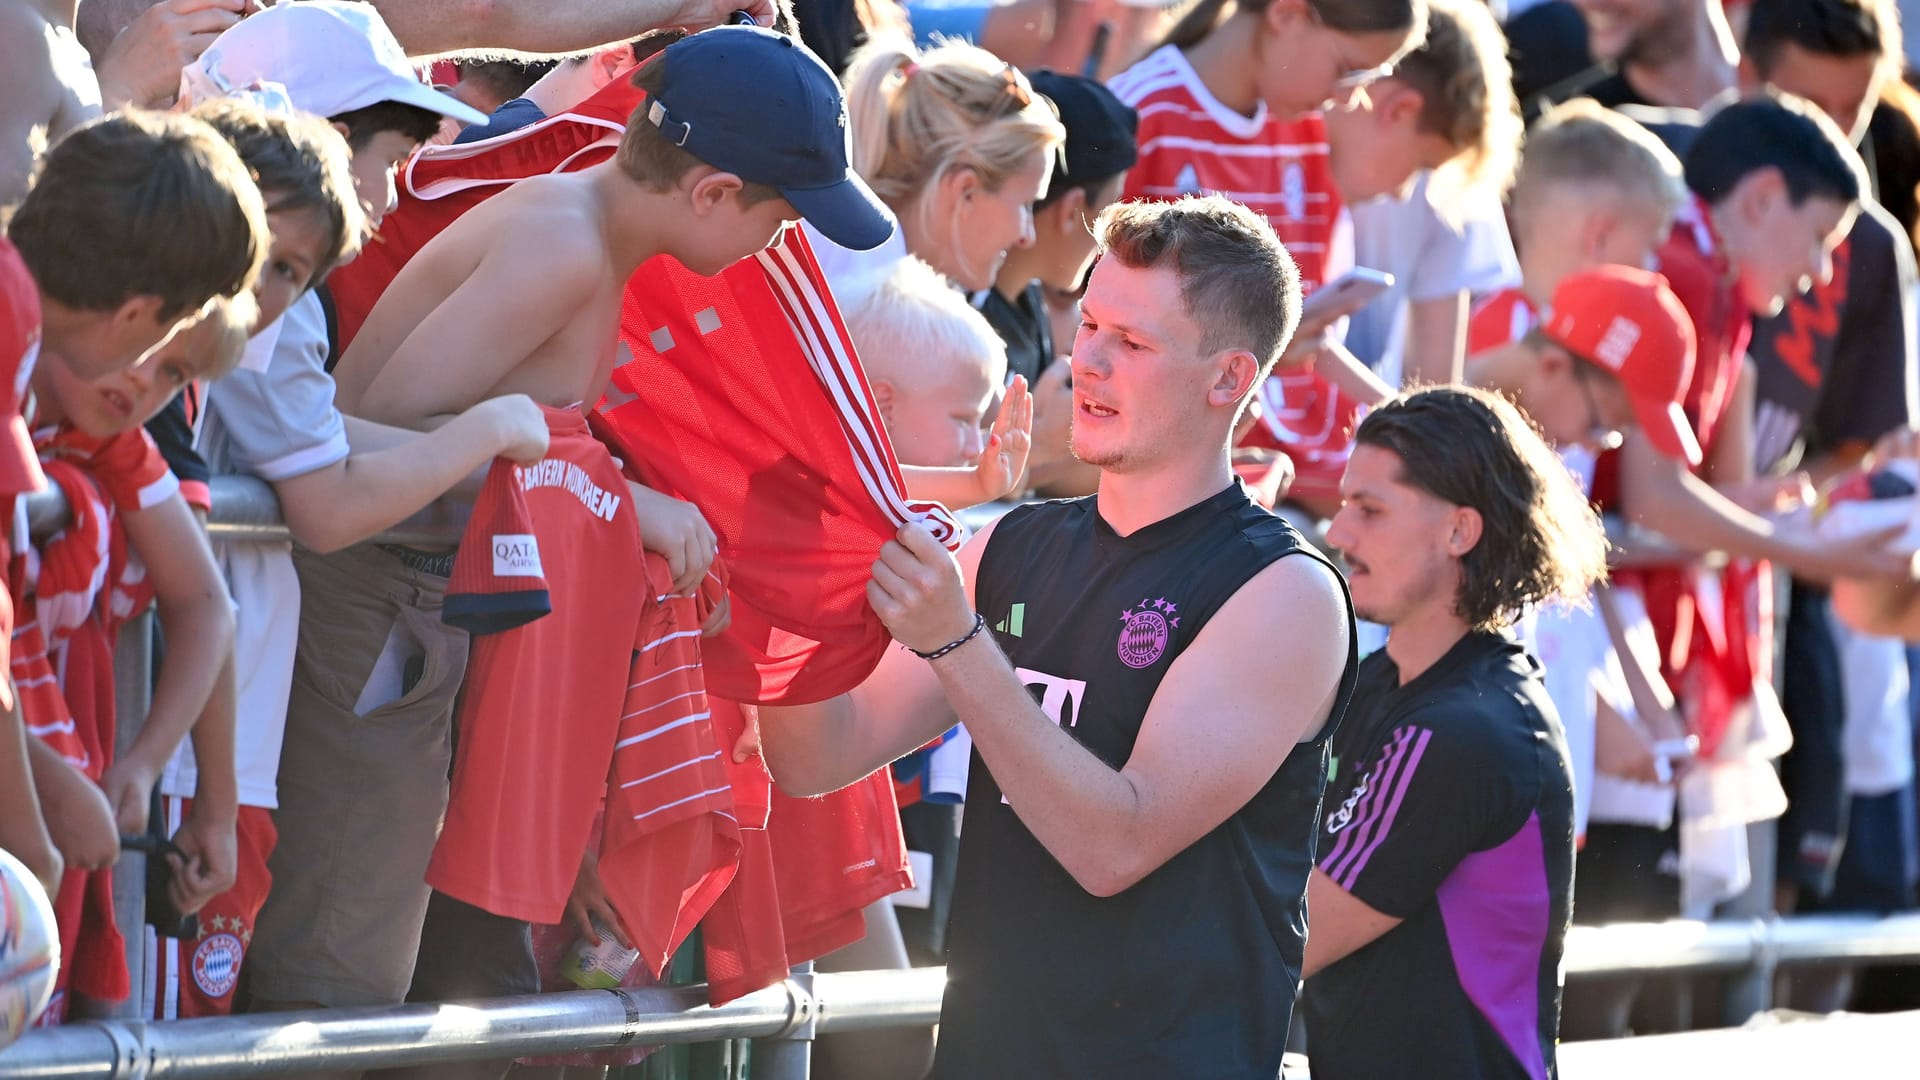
(821, 747)
(1085, 813)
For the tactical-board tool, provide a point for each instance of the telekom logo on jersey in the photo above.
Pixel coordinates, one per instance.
(1058, 698)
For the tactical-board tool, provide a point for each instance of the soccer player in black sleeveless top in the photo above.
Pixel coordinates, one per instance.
(1443, 891)
(1150, 680)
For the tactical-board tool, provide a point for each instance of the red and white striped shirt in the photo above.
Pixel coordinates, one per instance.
(1190, 143)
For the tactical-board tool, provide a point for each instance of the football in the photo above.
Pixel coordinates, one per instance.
(29, 949)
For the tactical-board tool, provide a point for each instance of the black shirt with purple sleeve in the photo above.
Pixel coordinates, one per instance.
(1451, 809)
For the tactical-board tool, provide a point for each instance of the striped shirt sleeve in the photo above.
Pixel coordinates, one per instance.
(1430, 796)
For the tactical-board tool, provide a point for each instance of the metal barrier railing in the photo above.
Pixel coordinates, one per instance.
(352, 1039)
(788, 1015)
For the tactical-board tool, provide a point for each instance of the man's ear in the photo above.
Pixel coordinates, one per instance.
(1068, 211)
(1281, 16)
(1467, 526)
(1237, 373)
(138, 311)
(709, 191)
(1758, 194)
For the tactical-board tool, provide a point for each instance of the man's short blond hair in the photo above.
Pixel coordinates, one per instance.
(1583, 147)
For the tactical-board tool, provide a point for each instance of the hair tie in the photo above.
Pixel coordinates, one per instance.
(1016, 86)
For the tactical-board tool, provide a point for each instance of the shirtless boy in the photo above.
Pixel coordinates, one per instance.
(523, 295)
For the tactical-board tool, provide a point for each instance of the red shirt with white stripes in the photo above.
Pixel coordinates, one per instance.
(1190, 143)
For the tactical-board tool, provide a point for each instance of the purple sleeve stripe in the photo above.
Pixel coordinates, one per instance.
(1346, 875)
(1365, 812)
(1376, 784)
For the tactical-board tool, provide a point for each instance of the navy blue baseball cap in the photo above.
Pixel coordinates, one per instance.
(757, 104)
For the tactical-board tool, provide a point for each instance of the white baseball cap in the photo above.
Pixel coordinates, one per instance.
(331, 56)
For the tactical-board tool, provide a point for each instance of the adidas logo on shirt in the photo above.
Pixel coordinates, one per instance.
(1188, 181)
(516, 555)
(1014, 623)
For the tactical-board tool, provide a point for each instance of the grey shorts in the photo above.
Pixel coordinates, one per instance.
(363, 780)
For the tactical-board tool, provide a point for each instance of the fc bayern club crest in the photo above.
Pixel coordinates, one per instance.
(1143, 637)
(216, 964)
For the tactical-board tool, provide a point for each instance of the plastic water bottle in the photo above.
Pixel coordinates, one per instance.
(602, 966)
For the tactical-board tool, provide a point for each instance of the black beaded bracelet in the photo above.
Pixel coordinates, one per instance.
(979, 624)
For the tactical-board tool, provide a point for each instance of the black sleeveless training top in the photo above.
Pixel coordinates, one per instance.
(1192, 972)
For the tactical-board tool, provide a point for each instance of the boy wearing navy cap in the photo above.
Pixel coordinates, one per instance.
(742, 133)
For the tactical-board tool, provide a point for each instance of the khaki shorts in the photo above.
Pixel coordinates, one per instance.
(363, 781)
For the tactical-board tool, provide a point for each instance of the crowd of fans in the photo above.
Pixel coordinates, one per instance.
(600, 271)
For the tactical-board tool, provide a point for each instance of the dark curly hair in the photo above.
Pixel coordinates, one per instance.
(1540, 539)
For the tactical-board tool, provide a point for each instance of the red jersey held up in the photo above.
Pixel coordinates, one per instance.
(744, 397)
(542, 699)
(760, 415)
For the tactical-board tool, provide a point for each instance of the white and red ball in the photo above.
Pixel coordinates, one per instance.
(29, 949)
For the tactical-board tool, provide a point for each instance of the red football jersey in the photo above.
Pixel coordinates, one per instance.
(542, 699)
(833, 856)
(744, 396)
(672, 841)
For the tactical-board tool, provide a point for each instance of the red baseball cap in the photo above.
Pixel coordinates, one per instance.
(19, 348)
(1628, 323)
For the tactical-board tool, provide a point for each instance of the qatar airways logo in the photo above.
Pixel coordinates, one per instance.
(516, 555)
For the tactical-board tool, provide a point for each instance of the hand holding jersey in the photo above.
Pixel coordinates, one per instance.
(918, 593)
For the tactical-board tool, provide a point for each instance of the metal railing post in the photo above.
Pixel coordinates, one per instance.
(133, 696)
(788, 1055)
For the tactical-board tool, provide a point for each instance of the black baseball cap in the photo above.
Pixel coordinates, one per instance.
(1100, 130)
(758, 104)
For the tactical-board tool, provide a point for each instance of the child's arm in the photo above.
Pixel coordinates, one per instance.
(1339, 366)
(528, 287)
(356, 497)
(196, 615)
(1000, 465)
(23, 832)
(1435, 348)
(206, 837)
(77, 813)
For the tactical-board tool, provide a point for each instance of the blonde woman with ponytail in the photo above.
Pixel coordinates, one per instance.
(959, 145)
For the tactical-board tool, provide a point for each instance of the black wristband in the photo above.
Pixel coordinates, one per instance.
(979, 624)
